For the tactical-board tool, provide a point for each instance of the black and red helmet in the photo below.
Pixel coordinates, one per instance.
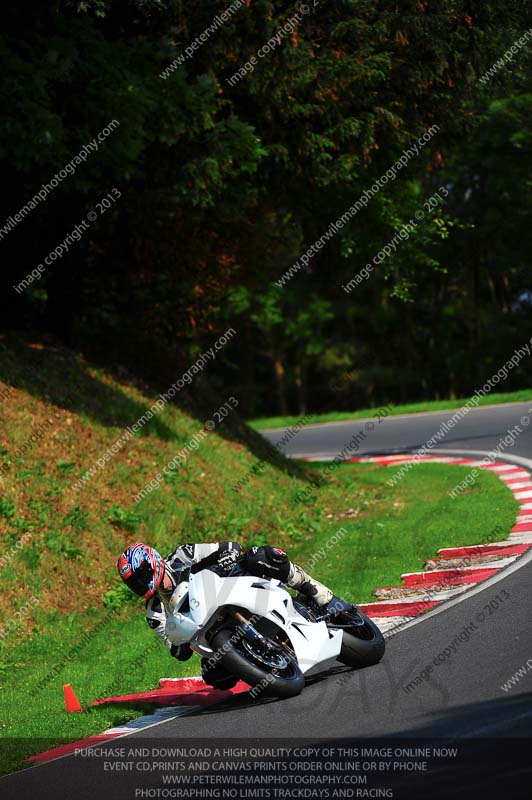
(142, 569)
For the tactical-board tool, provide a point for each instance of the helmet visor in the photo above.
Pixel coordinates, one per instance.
(141, 579)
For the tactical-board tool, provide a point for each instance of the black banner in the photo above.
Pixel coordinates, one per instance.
(141, 768)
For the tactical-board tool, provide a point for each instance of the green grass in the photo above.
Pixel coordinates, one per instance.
(122, 656)
(265, 423)
(395, 531)
(87, 630)
(399, 528)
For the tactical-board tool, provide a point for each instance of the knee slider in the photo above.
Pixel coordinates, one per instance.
(268, 562)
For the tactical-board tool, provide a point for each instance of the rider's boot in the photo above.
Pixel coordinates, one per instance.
(338, 606)
(304, 583)
(316, 591)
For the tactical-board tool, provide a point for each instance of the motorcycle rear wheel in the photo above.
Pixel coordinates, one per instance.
(363, 644)
(273, 672)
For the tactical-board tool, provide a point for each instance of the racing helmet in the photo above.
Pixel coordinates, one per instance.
(142, 569)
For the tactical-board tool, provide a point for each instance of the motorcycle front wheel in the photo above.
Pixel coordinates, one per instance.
(261, 663)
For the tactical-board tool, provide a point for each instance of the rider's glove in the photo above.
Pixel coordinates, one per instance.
(181, 651)
(227, 559)
(224, 558)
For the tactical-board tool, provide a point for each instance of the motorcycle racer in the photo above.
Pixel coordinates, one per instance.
(155, 579)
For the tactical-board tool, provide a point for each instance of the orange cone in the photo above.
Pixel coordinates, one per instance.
(71, 701)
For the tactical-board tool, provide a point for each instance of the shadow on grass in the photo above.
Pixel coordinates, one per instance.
(58, 376)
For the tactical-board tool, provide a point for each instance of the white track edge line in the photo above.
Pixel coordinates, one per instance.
(103, 743)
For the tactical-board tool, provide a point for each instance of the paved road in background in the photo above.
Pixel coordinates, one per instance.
(482, 429)
(461, 700)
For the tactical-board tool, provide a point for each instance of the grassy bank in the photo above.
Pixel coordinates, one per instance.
(265, 423)
(354, 533)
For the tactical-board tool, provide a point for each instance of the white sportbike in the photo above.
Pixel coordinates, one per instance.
(261, 635)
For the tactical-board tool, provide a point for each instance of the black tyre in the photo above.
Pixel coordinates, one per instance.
(363, 643)
(272, 671)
